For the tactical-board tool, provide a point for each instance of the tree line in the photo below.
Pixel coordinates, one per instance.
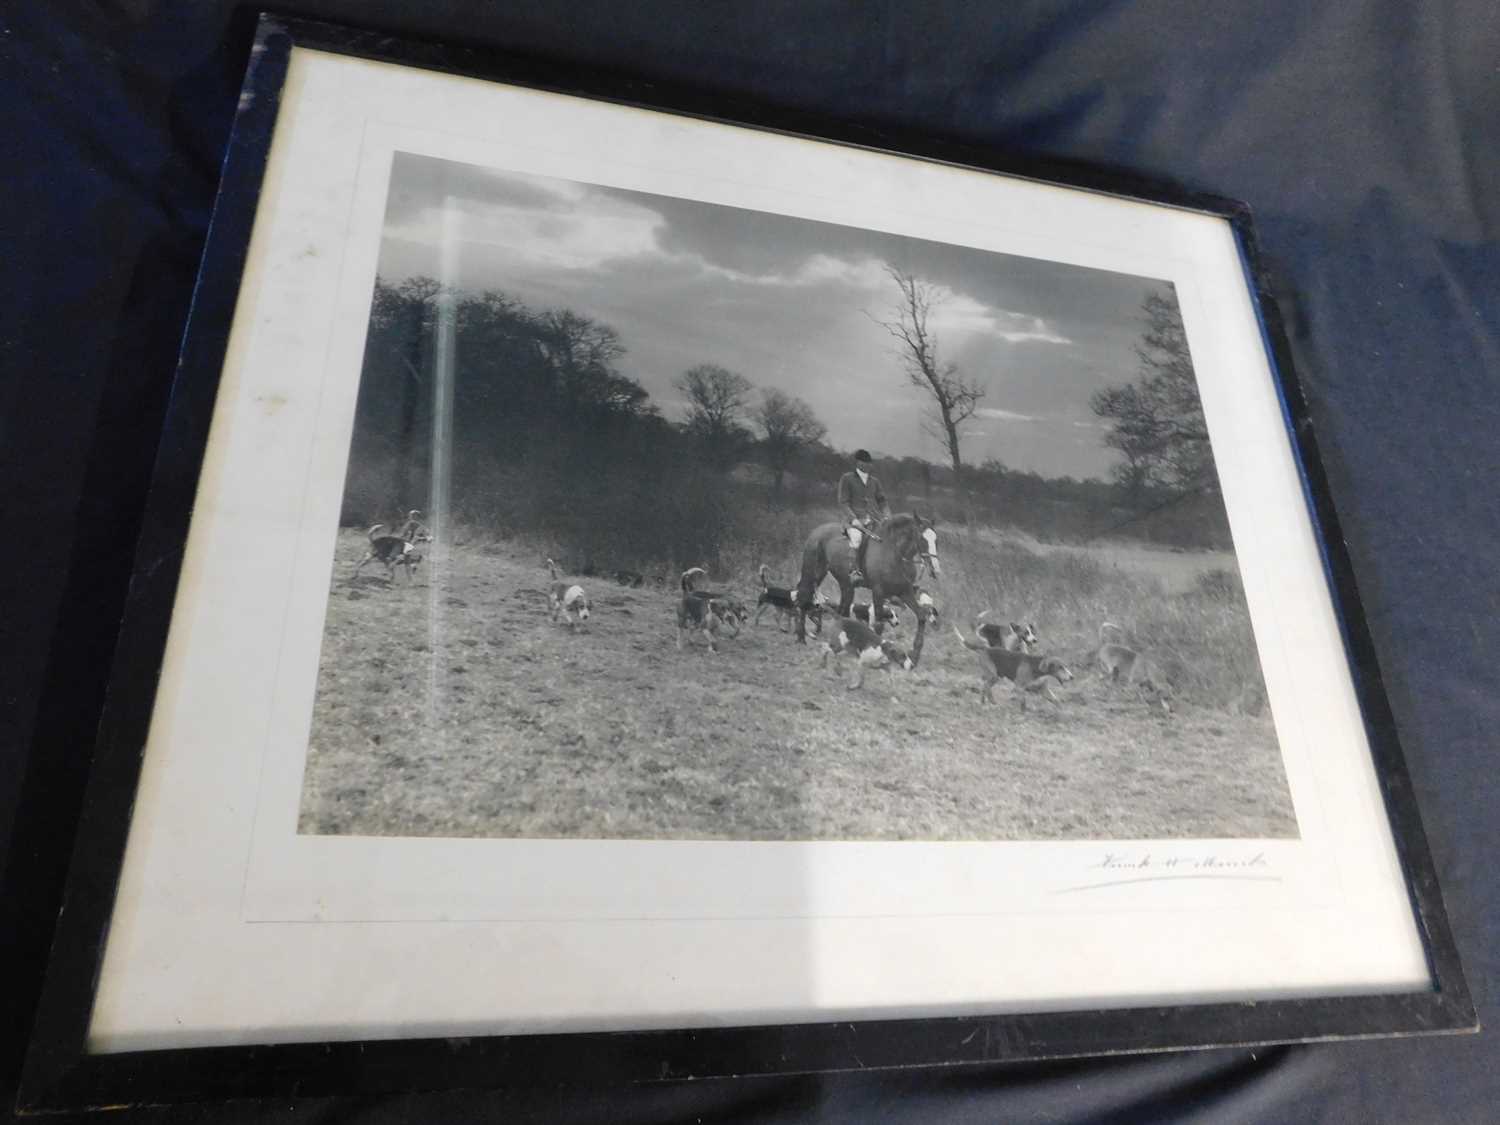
(550, 436)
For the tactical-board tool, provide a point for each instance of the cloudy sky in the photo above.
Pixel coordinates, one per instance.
(787, 303)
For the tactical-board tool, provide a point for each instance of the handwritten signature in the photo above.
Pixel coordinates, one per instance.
(1115, 861)
(1154, 867)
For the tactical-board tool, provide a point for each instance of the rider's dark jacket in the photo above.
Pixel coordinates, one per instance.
(862, 499)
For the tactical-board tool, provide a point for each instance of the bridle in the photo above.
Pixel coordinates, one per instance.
(925, 559)
(921, 558)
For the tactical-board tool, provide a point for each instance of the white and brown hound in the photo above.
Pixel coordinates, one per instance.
(783, 601)
(701, 611)
(862, 611)
(1008, 635)
(849, 637)
(567, 599)
(414, 530)
(391, 551)
(1022, 668)
(1123, 664)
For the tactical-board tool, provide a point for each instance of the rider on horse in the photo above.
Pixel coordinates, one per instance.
(863, 501)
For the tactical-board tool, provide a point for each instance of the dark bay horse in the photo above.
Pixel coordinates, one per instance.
(892, 562)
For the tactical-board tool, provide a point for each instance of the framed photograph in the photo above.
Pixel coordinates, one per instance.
(641, 587)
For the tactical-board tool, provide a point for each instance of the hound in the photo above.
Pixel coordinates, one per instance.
(567, 599)
(1116, 660)
(730, 607)
(733, 612)
(1021, 668)
(892, 618)
(1009, 636)
(1122, 663)
(697, 614)
(733, 609)
(698, 611)
(888, 614)
(414, 530)
(925, 602)
(784, 602)
(1048, 687)
(869, 649)
(390, 550)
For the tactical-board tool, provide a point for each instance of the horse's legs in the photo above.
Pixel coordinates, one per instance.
(846, 597)
(807, 588)
(909, 600)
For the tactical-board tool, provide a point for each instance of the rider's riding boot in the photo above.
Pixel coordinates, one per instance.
(857, 573)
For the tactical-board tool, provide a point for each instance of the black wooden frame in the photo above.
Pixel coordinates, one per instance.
(60, 1074)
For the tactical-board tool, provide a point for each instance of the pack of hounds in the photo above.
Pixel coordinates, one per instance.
(1005, 650)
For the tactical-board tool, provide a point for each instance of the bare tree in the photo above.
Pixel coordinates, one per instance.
(788, 425)
(953, 399)
(717, 400)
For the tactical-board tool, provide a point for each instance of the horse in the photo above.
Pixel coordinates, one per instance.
(896, 553)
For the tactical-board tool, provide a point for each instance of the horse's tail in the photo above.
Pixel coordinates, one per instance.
(371, 534)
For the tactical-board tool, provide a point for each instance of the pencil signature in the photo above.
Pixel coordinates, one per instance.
(1152, 867)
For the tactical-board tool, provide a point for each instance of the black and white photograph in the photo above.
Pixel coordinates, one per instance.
(672, 520)
(636, 587)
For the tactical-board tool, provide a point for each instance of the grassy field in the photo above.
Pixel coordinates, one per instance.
(454, 706)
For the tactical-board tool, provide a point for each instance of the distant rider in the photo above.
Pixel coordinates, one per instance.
(863, 501)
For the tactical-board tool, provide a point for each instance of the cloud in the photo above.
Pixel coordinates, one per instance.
(813, 271)
(539, 222)
(957, 314)
(423, 183)
(790, 303)
(1004, 415)
(865, 273)
(581, 238)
